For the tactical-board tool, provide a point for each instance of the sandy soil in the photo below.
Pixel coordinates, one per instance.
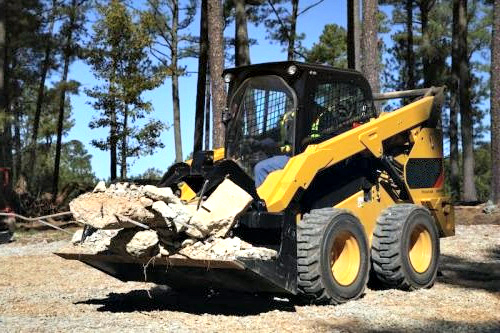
(42, 292)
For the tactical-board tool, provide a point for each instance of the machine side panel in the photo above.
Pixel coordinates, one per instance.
(424, 175)
(367, 211)
(280, 187)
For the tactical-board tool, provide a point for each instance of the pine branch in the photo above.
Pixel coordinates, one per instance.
(309, 7)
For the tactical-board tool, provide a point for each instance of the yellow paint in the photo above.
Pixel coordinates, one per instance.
(345, 258)
(218, 154)
(420, 249)
(428, 144)
(277, 191)
(187, 193)
(367, 212)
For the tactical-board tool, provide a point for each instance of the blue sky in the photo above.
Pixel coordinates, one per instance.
(311, 23)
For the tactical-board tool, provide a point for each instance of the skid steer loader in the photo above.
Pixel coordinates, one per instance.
(361, 193)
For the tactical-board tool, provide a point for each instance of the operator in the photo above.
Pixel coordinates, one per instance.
(278, 162)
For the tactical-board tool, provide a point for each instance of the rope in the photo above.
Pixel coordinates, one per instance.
(40, 219)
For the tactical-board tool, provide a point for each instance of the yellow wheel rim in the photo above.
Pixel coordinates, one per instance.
(345, 258)
(420, 250)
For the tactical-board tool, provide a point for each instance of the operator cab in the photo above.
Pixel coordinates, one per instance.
(278, 109)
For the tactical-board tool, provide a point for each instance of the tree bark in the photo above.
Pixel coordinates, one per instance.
(429, 65)
(293, 30)
(454, 107)
(5, 122)
(2, 56)
(18, 166)
(370, 44)
(175, 83)
(62, 98)
(353, 35)
(207, 113)
(469, 193)
(495, 104)
(241, 44)
(113, 128)
(40, 96)
(124, 150)
(410, 55)
(202, 80)
(216, 61)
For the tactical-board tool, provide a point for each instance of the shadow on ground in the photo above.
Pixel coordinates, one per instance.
(470, 274)
(164, 299)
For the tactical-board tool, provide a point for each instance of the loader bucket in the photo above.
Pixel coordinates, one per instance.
(277, 276)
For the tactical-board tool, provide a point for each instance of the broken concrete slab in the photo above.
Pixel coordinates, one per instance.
(160, 194)
(97, 242)
(100, 187)
(225, 249)
(219, 212)
(143, 244)
(100, 211)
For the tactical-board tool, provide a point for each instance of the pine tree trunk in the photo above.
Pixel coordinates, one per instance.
(370, 44)
(353, 35)
(454, 107)
(410, 55)
(62, 99)
(40, 97)
(495, 104)
(5, 123)
(202, 80)
(113, 129)
(124, 149)
(241, 44)
(216, 62)
(207, 113)
(17, 143)
(293, 30)
(175, 83)
(424, 18)
(469, 193)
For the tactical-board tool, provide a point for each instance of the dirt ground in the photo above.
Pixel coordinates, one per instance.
(42, 292)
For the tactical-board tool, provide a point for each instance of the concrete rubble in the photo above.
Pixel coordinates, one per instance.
(119, 214)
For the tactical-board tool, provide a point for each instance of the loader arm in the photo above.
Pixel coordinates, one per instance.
(281, 186)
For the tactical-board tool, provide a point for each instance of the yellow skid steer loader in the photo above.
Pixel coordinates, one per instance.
(339, 188)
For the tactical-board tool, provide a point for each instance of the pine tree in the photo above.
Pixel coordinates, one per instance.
(353, 35)
(216, 63)
(118, 55)
(495, 104)
(469, 193)
(331, 48)
(71, 32)
(163, 18)
(280, 19)
(370, 47)
(46, 65)
(202, 79)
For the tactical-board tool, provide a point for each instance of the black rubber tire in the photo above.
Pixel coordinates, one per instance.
(315, 236)
(391, 264)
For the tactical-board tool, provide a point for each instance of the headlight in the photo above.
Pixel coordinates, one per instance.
(291, 70)
(228, 77)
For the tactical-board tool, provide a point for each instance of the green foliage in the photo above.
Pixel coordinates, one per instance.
(149, 174)
(75, 167)
(331, 48)
(277, 17)
(157, 20)
(118, 56)
(482, 171)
